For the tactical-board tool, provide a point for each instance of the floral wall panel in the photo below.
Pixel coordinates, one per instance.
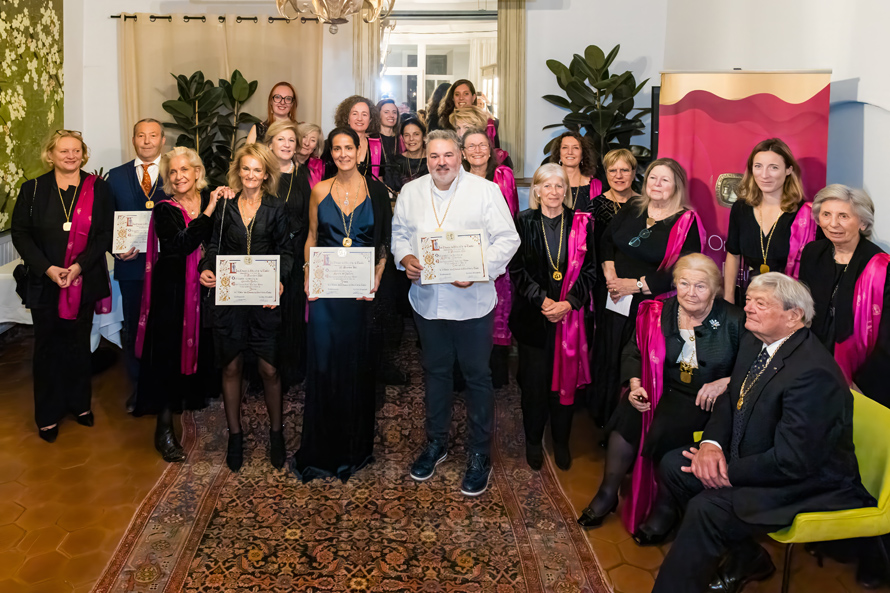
(31, 96)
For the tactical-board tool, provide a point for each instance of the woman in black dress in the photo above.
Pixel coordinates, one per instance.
(411, 164)
(253, 223)
(389, 127)
(338, 419)
(578, 158)
(637, 265)
(701, 335)
(361, 116)
(61, 226)
(282, 106)
(169, 340)
(552, 274)
(769, 206)
(293, 193)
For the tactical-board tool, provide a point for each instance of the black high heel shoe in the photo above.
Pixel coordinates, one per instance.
(86, 419)
(590, 520)
(235, 452)
(647, 539)
(49, 434)
(277, 454)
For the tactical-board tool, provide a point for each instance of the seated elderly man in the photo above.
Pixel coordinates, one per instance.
(780, 444)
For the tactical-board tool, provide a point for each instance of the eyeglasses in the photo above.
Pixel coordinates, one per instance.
(64, 132)
(617, 171)
(476, 147)
(644, 234)
(286, 100)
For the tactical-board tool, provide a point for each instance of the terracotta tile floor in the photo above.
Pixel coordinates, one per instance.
(65, 506)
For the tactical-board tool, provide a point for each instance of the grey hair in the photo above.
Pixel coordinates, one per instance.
(545, 172)
(859, 200)
(149, 120)
(449, 135)
(790, 292)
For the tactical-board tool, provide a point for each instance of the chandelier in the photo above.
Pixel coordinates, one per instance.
(334, 12)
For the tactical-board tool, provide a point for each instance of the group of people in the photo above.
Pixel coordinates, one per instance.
(603, 289)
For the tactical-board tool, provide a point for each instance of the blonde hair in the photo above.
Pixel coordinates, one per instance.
(680, 197)
(194, 161)
(545, 172)
(304, 130)
(278, 127)
(620, 154)
(698, 262)
(260, 152)
(792, 191)
(472, 116)
(50, 144)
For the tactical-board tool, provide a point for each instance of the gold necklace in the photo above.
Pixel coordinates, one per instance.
(746, 387)
(574, 196)
(249, 227)
(66, 226)
(557, 275)
(763, 267)
(347, 241)
(293, 176)
(686, 367)
(616, 205)
(439, 223)
(184, 207)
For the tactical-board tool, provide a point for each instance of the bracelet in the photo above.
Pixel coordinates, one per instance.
(306, 265)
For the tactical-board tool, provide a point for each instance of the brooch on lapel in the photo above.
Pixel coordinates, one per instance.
(714, 324)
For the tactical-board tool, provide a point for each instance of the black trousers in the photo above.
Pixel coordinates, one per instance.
(538, 401)
(61, 364)
(710, 527)
(468, 342)
(131, 301)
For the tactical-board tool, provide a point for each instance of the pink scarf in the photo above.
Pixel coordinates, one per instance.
(803, 231)
(401, 144)
(650, 340)
(491, 131)
(596, 187)
(191, 309)
(571, 365)
(78, 237)
(678, 237)
(868, 304)
(375, 147)
(501, 335)
(316, 170)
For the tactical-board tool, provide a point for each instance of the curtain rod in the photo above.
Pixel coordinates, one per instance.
(203, 18)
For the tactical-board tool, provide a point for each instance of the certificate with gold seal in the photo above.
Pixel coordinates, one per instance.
(130, 230)
(248, 279)
(341, 272)
(452, 256)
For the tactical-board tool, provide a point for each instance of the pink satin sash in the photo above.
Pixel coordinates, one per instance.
(650, 341)
(316, 171)
(375, 147)
(678, 237)
(596, 187)
(868, 305)
(491, 131)
(501, 335)
(803, 231)
(191, 309)
(571, 364)
(78, 237)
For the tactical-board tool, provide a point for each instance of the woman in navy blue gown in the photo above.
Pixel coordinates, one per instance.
(347, 210)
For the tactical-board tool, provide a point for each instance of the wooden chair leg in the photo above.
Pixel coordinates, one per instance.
(786, 570)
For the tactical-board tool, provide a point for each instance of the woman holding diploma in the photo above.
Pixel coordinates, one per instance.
(478, 159)
(254, 223)
(346, 211)
(168, 339)
(553, 274)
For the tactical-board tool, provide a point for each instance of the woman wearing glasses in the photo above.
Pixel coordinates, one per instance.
(61, 226)
(479, 160)
(640, 248)
(282, 105)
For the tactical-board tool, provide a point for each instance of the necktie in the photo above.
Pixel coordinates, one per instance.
(146, 178)
(739, 414)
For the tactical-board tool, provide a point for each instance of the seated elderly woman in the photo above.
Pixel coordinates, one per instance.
(690, 355)
(553, 274)
(846, 274)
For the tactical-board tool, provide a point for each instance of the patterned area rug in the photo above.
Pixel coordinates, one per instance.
(204, 529)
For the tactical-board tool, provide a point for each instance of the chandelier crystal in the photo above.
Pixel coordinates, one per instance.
(335, 12)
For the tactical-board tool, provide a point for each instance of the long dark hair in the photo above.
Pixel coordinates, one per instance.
(398, 125)
(446, 107)
(588, 154)
(432, 106)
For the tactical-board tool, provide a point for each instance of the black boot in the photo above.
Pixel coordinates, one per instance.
(534, 455)
(562, 455)
(235, 451)
(277, 454)
(165, 440)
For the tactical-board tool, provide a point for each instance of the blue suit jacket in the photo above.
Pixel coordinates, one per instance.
(128, 196)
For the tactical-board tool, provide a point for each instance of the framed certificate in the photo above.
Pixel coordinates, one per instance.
(130, 230)
(341, 272)
(248, 279)
(453, 256)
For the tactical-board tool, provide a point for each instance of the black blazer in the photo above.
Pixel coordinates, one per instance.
(532, 279)
(816, 271)
(796, 452)
(716, 342)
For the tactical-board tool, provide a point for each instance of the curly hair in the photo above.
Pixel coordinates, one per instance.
(446, 107)
(194, 161)
(792, 191)
(269, 161)
(341, 116)
(588, 154)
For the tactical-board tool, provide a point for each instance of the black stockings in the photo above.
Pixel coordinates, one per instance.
(272, 391)
(619, 459)
(231, 388)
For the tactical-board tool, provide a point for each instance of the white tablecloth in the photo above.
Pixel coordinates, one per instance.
(106, 326)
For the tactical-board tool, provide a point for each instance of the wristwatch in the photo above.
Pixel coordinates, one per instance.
(640, 285)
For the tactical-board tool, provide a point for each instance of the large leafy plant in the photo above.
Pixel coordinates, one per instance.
(600, 103)
(210, 117)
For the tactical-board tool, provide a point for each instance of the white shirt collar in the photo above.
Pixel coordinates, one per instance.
(139, 162)
(771, 348)
(446, 194)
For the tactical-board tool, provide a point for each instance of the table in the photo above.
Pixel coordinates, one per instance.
(106, 326)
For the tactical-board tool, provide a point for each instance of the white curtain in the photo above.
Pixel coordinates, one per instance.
(483, 52)
(262, 51)
(511, 72)
(366, 38)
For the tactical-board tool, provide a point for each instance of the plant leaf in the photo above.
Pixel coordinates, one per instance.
(595, 57)
(240, 89)
(179, 108)
(580, 93)
(612, 55)
(558, 101)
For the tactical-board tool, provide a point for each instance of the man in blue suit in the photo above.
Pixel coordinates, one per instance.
(136, 186)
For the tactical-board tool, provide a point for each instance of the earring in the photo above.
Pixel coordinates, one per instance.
(560, 162)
